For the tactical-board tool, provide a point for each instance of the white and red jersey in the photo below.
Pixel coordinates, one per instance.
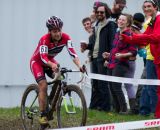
(47, 50)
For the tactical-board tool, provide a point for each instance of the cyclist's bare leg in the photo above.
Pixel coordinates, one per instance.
(42, 97)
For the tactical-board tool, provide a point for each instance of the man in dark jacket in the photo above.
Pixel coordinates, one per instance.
(100, 41)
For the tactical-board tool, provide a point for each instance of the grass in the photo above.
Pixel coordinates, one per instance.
(114, 117)
(94, 117)
(10, 112)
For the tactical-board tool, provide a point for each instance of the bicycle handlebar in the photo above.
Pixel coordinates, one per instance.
(61, 72)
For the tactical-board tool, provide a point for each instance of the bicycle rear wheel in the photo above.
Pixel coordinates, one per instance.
(30, 108)
(71, 108)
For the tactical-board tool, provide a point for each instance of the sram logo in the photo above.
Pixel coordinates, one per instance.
(152, 123)
(112, 127)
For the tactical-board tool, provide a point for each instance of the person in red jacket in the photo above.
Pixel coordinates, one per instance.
(152, 36)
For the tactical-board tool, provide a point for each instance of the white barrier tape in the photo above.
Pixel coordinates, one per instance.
(120, 126)
(125, 125)
(124, 80)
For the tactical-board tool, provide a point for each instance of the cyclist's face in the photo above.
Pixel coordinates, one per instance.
(56, 34)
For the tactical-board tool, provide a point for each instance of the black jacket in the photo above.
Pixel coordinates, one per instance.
(105, 39)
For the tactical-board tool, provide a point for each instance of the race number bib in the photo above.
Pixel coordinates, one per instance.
(43, 49)
(69, 43)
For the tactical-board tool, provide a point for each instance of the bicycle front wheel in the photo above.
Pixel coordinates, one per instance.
(71, 108)
(30, 108)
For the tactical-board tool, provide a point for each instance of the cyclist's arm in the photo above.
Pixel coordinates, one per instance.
(45, 59)
(77, 62)
(71, 49)
(44, 53)
(73, 54)
(52, 65)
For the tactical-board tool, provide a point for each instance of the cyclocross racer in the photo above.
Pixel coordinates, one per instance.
(49, 46)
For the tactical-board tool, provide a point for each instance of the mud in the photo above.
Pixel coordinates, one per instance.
(10, 124)
(16, 124)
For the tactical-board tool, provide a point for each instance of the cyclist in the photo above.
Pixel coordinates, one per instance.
(49, 46)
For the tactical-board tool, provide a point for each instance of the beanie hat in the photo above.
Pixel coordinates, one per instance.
(97, 4)
(138, 19)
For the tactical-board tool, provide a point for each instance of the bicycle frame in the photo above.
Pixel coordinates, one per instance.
(61, 82)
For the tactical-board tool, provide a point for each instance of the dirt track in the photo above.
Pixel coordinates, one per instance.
(16, 124)
(10, 124)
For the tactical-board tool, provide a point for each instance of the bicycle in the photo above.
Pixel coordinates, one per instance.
(67, 100)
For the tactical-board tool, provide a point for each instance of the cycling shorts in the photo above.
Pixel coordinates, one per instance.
(40, 69)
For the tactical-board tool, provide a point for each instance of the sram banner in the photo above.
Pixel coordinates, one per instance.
(120, 126)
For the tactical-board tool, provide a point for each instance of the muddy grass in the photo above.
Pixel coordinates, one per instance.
(10, 124)
(10, 119)
(16, 124)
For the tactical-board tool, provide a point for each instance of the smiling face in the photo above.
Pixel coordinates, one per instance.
(122, 22)
(100, 13)
(87, 26)
(56, 34)
(149, 9)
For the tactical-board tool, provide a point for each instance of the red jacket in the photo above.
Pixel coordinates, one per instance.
(151, 35)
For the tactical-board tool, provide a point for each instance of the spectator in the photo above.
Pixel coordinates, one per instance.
(138, 19)
(148, 99)
(93, 15)
(136, 27)
(87, 24)
(118, 6)
(119, 61)
(152, 36)
(100, 42)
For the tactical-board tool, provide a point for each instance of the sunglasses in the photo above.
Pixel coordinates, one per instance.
(100, 12)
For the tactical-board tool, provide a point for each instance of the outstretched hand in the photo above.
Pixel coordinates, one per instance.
(126, 39)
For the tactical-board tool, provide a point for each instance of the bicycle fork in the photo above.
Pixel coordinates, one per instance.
(71, 110)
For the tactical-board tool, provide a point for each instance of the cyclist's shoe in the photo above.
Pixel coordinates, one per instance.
(43, 120)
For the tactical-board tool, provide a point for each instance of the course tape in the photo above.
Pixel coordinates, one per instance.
(119, 126)
(125, 125)
(123, 80)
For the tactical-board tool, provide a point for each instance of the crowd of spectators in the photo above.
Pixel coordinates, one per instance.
(115, 39)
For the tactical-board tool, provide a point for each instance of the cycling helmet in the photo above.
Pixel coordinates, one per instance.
(54, 23)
